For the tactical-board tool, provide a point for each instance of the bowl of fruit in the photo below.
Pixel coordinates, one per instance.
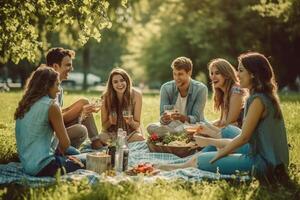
(180, 144)
(144, 169)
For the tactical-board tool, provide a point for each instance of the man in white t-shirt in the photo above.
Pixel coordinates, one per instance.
(185, 95)
(60, 60)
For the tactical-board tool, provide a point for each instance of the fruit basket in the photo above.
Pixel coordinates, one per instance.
(180, 144)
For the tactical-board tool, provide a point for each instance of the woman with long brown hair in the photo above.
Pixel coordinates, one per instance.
(122, 106)
(228, 96)
(40, 132)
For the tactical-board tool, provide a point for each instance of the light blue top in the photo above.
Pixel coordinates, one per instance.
(36, 142)
(196, 99)
(269, 137)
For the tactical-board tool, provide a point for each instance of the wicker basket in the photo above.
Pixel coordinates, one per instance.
(178, 151)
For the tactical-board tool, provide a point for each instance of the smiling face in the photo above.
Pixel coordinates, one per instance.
(244, 76)
(218, 80)
(119, 84)
(64, 68)
(54, 90)
(181, 77)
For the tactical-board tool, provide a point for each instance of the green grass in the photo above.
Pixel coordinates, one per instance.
(160, 189)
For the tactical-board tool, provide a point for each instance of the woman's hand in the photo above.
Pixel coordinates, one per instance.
(202, 141)
(220, 154)
(76, 161)
(113, 118)
(128, 119)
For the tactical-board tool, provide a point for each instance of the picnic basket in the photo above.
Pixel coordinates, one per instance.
(180, 151)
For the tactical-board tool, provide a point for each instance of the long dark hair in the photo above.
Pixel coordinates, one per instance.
(263, 77)
(110, 96)
(37, 86)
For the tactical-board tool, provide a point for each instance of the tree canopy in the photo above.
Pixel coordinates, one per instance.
(25, 27)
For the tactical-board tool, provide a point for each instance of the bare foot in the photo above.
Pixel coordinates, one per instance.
(202, 141)
(207, 131)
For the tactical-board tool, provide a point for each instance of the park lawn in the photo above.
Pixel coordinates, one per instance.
(160, 189)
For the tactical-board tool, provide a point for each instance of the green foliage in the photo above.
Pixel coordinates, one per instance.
(160, 190)
(24, 26)
(207, 29)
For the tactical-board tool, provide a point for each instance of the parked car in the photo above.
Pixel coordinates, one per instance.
(76, 79)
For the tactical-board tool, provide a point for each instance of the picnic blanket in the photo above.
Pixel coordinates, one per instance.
(138, 153)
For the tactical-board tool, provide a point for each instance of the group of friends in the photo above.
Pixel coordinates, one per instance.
(249, 136)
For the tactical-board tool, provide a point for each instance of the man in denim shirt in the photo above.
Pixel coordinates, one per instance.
(187, 96)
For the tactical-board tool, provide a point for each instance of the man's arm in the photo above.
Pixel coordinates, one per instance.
(164, 100)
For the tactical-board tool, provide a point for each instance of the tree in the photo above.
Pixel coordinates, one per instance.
(24, 26)
(203, 30)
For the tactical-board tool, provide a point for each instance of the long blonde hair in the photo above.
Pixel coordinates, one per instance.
(37, 86)
(221, 99)
(110, 96)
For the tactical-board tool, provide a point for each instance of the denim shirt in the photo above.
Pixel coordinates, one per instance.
(196, 99)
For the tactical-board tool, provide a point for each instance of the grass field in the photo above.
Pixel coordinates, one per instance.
(161, 189)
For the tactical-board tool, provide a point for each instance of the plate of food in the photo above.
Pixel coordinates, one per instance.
(146, 169)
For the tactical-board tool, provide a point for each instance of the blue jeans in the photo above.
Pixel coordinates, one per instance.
(63, 164)
(229, 132)
(238, 161)
(233, 163)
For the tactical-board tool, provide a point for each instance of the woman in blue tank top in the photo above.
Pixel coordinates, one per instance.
(37, 118)
(263, 128)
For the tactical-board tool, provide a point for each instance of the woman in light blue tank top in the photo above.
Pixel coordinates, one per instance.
(37, 118)
(263, 128)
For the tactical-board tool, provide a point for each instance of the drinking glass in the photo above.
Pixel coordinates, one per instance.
(83, 115)
(113, 117)
(169, 109)
(97, 103)
(127, 115)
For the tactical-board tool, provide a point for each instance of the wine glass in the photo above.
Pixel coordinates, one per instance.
(83, 115)
(97, 103)
(113, 117)
(127, 115)
(169, 109)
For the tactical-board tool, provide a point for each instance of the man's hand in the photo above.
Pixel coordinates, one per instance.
(88, 109)
(177, 116)
(166, 118)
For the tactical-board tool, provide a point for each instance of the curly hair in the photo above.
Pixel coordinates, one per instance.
(110, 95)
(56, 55)
(37, 86)
(221, 99)
(263, 77)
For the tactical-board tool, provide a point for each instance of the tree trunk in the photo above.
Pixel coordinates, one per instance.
(85, 64)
